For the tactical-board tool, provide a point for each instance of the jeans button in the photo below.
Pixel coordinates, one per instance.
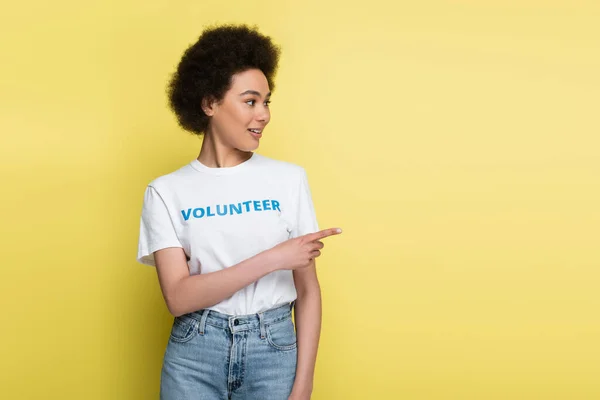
(236, 322)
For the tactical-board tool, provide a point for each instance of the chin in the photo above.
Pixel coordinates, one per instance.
(249, 147)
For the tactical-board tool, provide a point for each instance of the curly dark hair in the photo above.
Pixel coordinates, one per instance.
(207, 66)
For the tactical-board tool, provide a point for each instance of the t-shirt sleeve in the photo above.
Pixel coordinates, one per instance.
(156, 228)
(306, 219)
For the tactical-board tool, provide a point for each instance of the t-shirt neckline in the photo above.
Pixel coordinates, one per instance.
(198, 166)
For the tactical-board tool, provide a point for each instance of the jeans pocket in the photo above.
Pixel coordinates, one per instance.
(281, 335)
(184, 328)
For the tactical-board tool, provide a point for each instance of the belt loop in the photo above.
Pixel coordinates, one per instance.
(262, 325)
(203, 320)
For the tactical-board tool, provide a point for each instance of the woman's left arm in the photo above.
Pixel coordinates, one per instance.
(308, 329)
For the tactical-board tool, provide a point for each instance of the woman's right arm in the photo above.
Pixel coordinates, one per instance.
(185, 293)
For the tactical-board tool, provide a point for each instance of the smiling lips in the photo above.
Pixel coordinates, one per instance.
(256, 132)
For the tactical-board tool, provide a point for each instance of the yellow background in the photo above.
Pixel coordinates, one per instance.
(455, 142)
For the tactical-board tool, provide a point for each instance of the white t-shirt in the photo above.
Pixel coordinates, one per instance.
(222, 216)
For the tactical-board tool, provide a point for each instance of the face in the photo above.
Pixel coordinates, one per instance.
(239, 119)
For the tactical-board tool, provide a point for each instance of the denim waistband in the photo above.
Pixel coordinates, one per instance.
(237, 323)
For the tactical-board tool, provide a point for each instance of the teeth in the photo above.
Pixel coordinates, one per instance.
(254, 130)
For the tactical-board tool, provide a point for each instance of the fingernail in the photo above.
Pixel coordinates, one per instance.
(339, 230)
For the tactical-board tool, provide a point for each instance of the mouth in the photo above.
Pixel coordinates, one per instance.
(257, 133)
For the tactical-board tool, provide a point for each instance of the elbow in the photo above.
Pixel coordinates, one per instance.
(175, 312)
(177, 305)
(174, 304)
(173, 308)
(175, 299)
(308, 291)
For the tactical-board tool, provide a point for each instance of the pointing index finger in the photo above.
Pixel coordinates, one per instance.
(311, 237)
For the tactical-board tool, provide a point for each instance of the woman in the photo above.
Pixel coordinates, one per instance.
(233, 235)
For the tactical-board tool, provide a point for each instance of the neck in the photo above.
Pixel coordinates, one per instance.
(216, 154)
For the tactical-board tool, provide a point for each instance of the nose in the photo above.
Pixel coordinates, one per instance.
(263, 114)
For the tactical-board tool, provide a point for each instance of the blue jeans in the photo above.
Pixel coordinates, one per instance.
(216, 356)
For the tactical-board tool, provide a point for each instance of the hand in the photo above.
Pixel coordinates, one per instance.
(299, 394)
(299, 252)
(293, 397)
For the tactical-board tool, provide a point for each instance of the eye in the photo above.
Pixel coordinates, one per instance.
(252, 102)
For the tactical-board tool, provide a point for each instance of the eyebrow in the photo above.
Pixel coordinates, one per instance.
(254, 92)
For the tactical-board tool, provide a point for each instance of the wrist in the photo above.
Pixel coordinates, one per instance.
(269, 261)
(301, 390)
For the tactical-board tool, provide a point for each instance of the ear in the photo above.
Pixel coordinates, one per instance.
(208, 106)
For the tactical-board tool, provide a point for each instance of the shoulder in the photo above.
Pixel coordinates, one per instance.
(172, 180)
(280, 168)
